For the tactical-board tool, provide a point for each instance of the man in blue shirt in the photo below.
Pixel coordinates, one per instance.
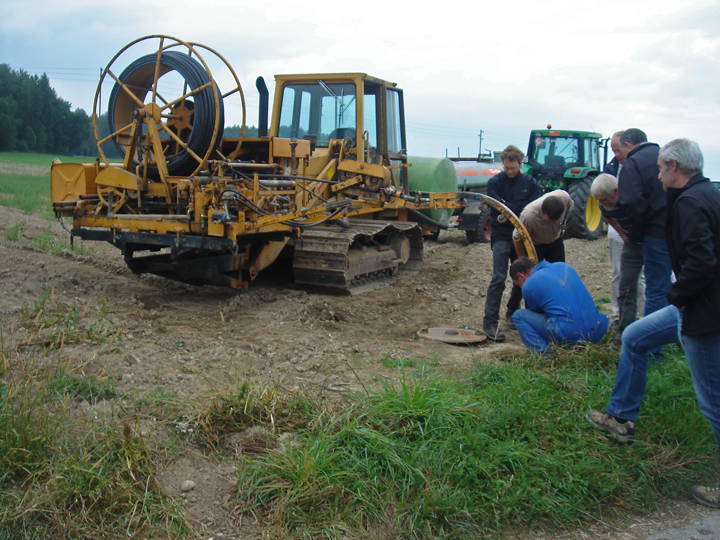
(559, 306)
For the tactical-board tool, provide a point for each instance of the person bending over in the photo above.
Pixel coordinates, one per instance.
(559, 306)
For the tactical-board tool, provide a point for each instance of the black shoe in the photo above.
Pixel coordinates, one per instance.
(510, 323)
(493, 334)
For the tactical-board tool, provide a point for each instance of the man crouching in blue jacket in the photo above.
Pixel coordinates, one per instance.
(559, 306)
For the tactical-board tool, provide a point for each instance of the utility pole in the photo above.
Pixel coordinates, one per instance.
(480, 136)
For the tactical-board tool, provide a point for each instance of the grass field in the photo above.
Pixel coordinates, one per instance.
(25, 185)
(25, 180)
(27, 192)
(42, 160)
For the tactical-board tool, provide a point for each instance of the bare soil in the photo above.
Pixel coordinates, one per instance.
(194, 341)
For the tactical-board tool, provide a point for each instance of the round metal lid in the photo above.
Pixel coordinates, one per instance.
(452, 335)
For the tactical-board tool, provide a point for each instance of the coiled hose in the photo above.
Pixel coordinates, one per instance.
(139, 78)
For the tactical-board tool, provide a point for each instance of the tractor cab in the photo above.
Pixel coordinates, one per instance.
(554, 155)
(569, 160)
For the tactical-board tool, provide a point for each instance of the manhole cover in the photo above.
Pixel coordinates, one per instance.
(452, 335)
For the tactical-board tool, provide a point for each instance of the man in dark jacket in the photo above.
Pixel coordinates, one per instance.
(616, 242)
(693, 235)
(514, 190)
(642, 198)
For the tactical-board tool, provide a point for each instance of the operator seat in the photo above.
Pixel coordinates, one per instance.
(554, 162)
(343, 133)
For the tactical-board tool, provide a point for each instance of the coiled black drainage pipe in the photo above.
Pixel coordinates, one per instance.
(139, 76)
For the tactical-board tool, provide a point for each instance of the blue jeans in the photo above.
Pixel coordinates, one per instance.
(656, 261)
(703, 355)
(639, 340)
(536, 336)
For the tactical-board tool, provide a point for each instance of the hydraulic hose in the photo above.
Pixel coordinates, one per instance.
(139, 78)
(425, 219)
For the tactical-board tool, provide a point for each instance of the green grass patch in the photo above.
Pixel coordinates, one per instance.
(28, 193)
(100, 486)
(54, 323)
(49, 243)
(41, 160)
(13, 233)
(433, 456)
(245, 407)
(25, 180)
(88, 388)
(160, 402)
(25, 431)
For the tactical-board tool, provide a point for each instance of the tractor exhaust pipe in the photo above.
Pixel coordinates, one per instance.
(263, 106)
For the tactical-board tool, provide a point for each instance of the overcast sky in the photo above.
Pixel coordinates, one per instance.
(503, 67)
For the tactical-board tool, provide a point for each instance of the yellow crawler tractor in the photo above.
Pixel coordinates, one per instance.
(326, 183)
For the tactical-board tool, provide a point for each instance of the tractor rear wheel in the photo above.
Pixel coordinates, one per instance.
(586, 219)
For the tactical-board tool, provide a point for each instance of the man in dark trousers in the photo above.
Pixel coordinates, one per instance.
(642, 198)
(514, 190)
(693, 236)
(615, 240)
(605, 190)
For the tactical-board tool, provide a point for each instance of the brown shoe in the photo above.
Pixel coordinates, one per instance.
(623, 432)
(707, 495)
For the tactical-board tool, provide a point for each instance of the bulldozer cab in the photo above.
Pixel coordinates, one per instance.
(365, 112)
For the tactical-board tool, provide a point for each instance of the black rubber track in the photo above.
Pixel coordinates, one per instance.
(203, 125)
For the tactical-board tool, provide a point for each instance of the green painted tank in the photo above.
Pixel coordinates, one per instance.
(432, 175)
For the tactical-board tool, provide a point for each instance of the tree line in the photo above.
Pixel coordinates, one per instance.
(33, 118)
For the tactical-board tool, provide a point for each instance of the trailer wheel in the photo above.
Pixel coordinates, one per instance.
(484, 231)
(472, 236)
(486, 225)
(586, 219)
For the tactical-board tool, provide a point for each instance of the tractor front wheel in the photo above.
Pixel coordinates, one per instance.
(586, 219)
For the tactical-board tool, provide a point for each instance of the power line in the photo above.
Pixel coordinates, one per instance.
(435, 127)
(51, 68)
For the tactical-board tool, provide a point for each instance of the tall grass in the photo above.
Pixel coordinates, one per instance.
(61, 477)
(436, 457)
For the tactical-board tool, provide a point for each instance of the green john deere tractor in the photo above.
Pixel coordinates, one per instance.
(570, 160)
